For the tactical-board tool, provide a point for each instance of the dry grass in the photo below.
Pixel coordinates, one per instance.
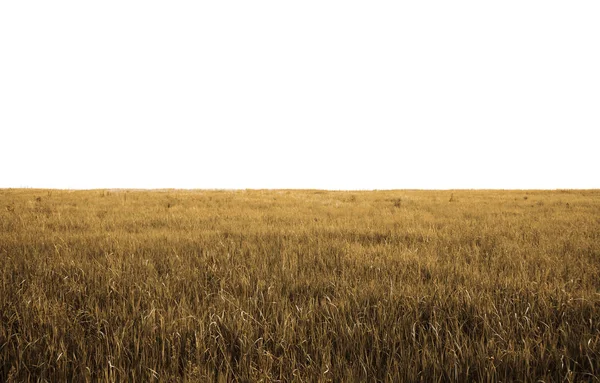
(299, 285)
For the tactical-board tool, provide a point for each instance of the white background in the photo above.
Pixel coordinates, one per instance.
(299, 94)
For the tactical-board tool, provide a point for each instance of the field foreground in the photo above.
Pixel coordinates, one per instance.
(299, 285)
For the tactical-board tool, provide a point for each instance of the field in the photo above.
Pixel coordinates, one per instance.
(299, 285)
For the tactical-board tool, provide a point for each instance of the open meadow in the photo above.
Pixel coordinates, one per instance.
(299, 285)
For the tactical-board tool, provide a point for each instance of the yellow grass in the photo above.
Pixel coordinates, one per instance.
(299, 285)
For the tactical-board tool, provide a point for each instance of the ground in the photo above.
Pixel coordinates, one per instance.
(299, 285)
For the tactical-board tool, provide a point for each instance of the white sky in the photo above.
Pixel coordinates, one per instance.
(303, 94)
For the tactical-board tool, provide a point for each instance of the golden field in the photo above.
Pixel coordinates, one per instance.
(299, 285)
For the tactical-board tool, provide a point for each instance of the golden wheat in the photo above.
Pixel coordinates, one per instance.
(289, 285)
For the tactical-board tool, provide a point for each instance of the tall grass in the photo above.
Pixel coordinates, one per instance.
(299, 285)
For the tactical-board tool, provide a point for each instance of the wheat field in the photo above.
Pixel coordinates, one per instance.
(299, 286)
